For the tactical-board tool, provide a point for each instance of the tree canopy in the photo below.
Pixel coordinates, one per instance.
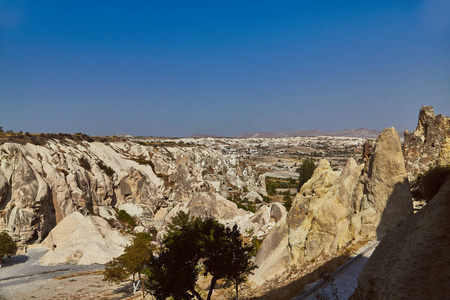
(193, 246)
(306, 170)
(134, 260)
(7, 246)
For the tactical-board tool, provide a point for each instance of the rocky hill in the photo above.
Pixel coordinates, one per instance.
(335, 209)
(42, 184)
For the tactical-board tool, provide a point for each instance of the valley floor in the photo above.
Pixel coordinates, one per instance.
(22, 277)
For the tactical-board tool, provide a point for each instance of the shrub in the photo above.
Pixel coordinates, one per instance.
(107, 169)
(244, 204)
(142, 161)
(271, 188)
(287, 200)
(84, 163)
(427, 184)
(125, 217)
(256, 243)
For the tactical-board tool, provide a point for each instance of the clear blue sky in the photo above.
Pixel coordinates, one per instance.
(176, 68)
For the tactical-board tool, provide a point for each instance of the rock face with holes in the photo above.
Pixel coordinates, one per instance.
(429, 144)
(42, 184)
(412, 261)
(333, 209)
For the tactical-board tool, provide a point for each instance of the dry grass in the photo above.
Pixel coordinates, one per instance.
(84, 273)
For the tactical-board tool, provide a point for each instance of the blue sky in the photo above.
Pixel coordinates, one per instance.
(177, 68)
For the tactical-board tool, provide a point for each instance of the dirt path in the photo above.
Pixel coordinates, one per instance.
(22, 277)
(345, 277)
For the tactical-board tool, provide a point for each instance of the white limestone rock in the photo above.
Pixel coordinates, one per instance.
(83, 240)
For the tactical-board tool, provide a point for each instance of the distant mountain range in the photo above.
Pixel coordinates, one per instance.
(360, 133)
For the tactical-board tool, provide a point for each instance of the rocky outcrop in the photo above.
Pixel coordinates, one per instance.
(83, 240)
(386, 196)
(26, 199)
(214, 205)
(429, 144)
(42, 184)
(333, 209)
(412, 261)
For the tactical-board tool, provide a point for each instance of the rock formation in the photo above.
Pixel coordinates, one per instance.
(82, 240)
(429, 144)
(42, 184)
(412, 261)
(333, 209)
(213, 205)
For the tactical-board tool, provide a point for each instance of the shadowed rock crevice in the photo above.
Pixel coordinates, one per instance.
(412, 261)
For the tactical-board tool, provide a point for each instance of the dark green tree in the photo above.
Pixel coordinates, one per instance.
(7, 246)
(306, 170)
(287, 200)
(239, 260)
(192, 245)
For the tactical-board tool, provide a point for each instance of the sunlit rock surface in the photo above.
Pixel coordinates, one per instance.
(332, 208)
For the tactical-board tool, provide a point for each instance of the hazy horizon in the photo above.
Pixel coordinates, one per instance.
(178, 68)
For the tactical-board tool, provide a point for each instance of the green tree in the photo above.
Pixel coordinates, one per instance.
(195, 245)
(133, 261)
(239, 260)
(7, 246)
(287, 200)
(306, 170)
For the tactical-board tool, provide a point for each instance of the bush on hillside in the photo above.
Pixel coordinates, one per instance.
(125, 217)
(84, 163)
(107, 169)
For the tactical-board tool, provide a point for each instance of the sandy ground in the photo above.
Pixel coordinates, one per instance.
(22, 277)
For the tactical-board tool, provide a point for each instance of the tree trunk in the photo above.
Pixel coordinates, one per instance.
(237, 291)
(197, 295)
(142, 283)
(211, 288)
